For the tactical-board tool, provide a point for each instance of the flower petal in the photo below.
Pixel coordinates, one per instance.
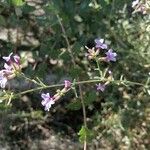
(45, 96)
(8, 58)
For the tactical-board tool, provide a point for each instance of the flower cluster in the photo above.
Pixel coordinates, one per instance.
(141, 6)
(110, 55)
(93, 53)
(48, 100)
(102, 86)
(11, 68)
(101, 45)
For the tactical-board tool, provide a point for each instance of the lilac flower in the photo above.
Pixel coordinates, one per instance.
(47, 101)
(12, 59)
(12, 64)
(7, 59)
(100, 44)
(11, 68)
(5, 74)
(17, 59)
(101, 87)
(3, 79)
(67, 84)
(7, 67)
(110, 55)
(91, 53)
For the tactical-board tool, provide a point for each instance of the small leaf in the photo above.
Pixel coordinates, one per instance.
(75, 72)
(2, 21)
(85, 134)
(90, 98)
(74, 105)
(18, 11)
(107, 1)
(18, 2)
(27, 9)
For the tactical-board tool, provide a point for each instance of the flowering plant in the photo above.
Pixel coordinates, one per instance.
(12, 68)
(101, 78)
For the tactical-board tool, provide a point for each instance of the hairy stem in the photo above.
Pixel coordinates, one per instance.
(74, 64)
(98, 66)
(83, 82)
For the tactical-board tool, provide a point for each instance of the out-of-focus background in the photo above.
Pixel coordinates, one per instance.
(119, 118)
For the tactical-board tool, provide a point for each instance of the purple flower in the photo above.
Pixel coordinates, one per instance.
(7, 59)
(17, 59)
(100, 44)
(12, 63)
(101, 87)
(67, 84)
(12, 59)
(110, 55)
(3, 79)
(11, 69)
(7, 67)
(47, 101)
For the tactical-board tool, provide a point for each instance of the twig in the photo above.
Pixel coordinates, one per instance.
(66, 39)
(69, 49)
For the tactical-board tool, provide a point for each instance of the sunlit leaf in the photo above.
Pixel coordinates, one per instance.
(18, 2)
(85, 134)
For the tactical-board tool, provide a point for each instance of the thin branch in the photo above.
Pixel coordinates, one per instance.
(69, 49)
(84, 115)
(74, 64)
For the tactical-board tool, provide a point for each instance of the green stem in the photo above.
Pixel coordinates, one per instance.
(79, 83)
(32, 80)
(98, 66)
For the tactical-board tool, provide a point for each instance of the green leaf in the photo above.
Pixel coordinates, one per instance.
(18, 11)
(52, 8)
(4, 107)
(90, 98)
(107, 1)
(1, 8)
(36, 114)
(85, 134)
(75, 72)
(77, 48)
(41, 71)
(27, 9)
(75, 105)
(2, 21)
(18, 2)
